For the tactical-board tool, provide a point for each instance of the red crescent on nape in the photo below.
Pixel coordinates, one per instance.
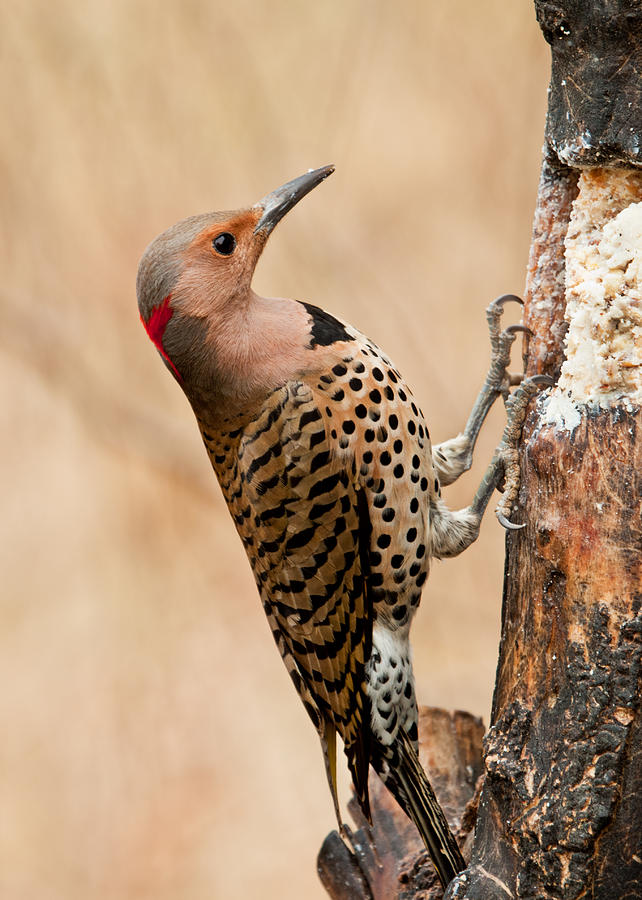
(155, 327)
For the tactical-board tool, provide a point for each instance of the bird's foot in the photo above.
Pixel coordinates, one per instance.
(499, 378)
(507, 452)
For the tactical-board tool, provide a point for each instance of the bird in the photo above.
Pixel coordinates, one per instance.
(325, 461)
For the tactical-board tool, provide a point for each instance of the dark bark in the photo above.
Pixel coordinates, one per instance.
(595, 94)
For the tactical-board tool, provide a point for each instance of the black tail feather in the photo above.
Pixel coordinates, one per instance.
(407, 781)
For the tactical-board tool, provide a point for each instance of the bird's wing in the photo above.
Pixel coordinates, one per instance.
(310, 541)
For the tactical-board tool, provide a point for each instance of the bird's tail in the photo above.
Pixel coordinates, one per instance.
(405, 778)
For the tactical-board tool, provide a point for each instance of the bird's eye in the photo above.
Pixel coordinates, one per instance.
(224, 243)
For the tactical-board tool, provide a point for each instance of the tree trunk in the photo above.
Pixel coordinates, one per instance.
(560, 811)
(560, 808)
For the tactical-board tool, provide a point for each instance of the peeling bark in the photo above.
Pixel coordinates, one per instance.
(544, 301)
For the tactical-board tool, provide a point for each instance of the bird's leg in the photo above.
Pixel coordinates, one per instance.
(452, 532)
(453, 457)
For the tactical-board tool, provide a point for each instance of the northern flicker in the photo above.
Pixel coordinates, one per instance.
(325, 461)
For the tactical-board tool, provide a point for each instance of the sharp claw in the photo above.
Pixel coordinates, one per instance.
(510, 526)
(513, 329)
(507, 298)
(541, 379)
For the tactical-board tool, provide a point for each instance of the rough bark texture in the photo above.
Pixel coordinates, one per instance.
(398, 868)
(558, 812)
(544, 301)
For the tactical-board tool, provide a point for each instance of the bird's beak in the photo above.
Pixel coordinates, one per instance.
(275, 205)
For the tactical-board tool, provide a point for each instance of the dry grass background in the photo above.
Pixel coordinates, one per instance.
(152, 746)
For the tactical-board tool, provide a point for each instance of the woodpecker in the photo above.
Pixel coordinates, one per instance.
(325, 461)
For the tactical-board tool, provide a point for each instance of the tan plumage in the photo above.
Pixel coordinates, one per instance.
(318, 481)
(298, 552)
(326, 465)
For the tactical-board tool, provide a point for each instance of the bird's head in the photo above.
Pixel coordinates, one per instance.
(196, 276)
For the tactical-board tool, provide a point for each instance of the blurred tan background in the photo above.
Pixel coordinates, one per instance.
(152, 745)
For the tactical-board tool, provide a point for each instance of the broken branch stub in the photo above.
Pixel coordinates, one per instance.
(389, 861)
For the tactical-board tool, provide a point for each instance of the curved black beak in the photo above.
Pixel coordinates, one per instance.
(276, 204)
